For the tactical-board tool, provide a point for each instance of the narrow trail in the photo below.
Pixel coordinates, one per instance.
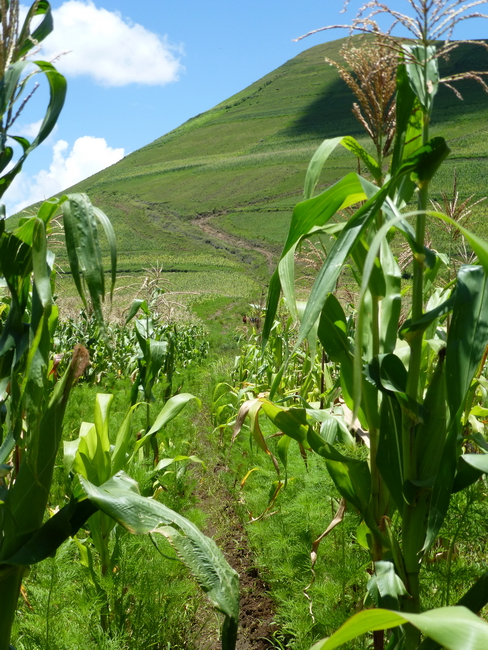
(235, 242)
(256, 608)
(223, 524)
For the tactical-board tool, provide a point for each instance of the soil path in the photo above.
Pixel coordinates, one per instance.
(256, 608)
(223, 524)
(235, 242)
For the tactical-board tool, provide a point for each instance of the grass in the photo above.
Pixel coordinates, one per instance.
(283, 542)
(157, 599)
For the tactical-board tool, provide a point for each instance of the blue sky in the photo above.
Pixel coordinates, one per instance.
(137, 70)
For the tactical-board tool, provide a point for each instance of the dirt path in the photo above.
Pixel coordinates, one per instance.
(256, 608)
(235, 242)
(256, 611)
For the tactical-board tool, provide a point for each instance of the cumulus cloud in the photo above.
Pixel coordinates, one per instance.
(32, 129)
(109, 48)
(88, 156)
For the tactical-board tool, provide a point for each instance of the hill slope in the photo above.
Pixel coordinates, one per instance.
(212, 199)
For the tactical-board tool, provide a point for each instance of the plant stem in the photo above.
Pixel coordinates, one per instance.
(10, 583)
(414, 515)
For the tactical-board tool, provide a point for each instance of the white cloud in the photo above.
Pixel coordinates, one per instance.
(88, 156)
(110, 49)
(32, 129)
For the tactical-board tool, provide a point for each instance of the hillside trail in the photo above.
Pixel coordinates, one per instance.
(223, 524)
(203, 222)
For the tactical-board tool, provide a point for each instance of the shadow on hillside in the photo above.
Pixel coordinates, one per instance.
(330, 114)
(326, 116)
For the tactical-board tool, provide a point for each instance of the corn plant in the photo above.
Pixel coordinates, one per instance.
(92, 457)
(116, 353)
(33, 400)
(410, 386)
(155, 360)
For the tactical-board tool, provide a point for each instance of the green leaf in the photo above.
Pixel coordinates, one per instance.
(57, 89)
(389, 373)
(479, 245)
(306, 216)
(468, 334)
(27, 40)
(430, 435)
(48, 209)
(103, 404)
(341, 433)
(408, 136)
(123, 441)
(286, 270)
(317, 211)
(83, 249)
(377, 284)
(385, 586)
(352, 477)
(89, 459)
(455, 628)
(42, 273)
(112, 243)
(352, 145)
(118, 498)
(56, 530)
(29, 494)
(137, 304)
(332, 331)
(252, 408)
(466, 475)
(423, 162)
(389, 457)
(272, 302)
(422, 69)
(428, 165)
(166, 462)
(478, 461)
(330, 271)
(292, 421)
(169, 411)
(282, 449)
(316, 164)
(410, 329)
(391, 304)
(89, 455)
(10, 85)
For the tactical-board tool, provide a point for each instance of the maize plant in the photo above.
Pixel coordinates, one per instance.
(411, 386)
(33, 400)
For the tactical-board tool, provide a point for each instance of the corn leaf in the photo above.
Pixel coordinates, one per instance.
(169, 411)
(27, 498)
(112, 243)
(455, 628)
(27, 40)
(122, 442)
(316, 164)
(83, 249)
(119, 499)
(424, 68)
(468, 333)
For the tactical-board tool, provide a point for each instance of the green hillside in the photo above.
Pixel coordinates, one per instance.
(212, 199)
